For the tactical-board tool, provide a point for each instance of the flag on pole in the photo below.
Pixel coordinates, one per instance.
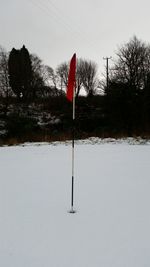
(71, 97)
(71, 78)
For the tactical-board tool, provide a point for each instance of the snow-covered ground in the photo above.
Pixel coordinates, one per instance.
(111, 227)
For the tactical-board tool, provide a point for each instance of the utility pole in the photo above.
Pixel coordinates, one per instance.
(107, 70)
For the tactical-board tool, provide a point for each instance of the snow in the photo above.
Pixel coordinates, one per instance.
(111, 227)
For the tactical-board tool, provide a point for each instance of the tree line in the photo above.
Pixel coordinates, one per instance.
(25, 76)
(120, 107)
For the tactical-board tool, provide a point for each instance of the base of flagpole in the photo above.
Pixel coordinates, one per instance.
(72, 211)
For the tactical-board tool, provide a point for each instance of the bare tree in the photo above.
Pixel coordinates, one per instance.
(49, 76)
(88, 75)
(44, 81)
(85, 76)
(62, 74)
(133, 64)
(5, 89)
(79, 80)
(37, 75)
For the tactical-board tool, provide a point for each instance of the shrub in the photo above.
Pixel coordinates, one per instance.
(19, 126)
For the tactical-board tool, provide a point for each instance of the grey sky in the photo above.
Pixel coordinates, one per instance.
(55, 29)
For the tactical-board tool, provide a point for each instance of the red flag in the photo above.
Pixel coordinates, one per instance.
(71, 78)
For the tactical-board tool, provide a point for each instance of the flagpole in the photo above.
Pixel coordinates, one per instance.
(73, 137)
(71, 97)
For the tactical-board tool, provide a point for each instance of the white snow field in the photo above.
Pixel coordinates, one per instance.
(111, 227)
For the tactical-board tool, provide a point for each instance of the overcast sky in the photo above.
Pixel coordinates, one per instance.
(55, 29)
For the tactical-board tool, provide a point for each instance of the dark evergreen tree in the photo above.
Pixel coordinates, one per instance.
(26, 72)
(20, 72)
(14, 72)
